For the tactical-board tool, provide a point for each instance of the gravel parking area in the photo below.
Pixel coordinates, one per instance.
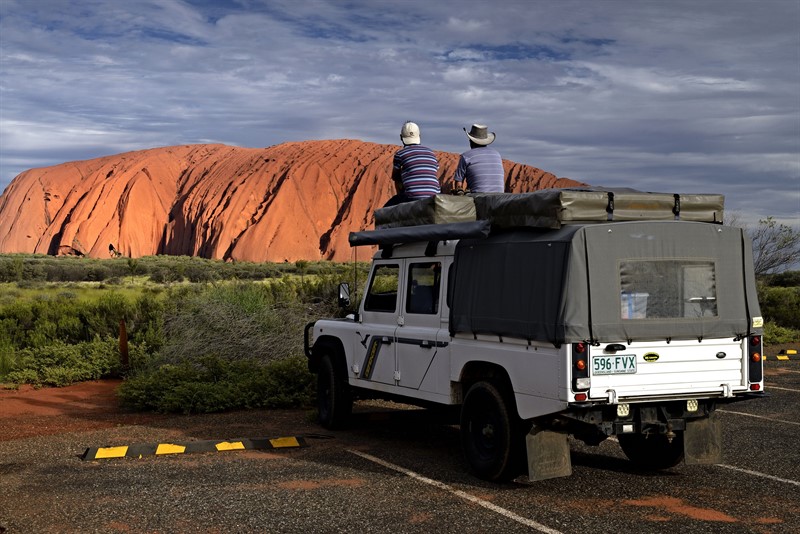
(395, 469)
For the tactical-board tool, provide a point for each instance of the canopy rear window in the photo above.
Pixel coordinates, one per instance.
(667, 289)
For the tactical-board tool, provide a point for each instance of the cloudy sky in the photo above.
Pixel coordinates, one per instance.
(667, 95)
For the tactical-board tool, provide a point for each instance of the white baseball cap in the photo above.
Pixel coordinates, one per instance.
(409, 133)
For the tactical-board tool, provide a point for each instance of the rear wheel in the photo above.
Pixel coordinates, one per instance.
(652, 451)
(490, 433)
(334, 400)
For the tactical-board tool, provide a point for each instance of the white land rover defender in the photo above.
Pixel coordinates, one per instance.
(583, 312)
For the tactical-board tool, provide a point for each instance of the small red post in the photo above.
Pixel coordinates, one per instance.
(123, 345)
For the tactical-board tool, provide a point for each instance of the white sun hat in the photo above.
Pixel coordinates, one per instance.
(409, 133)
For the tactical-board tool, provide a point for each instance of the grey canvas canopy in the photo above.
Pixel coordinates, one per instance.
(606, 281)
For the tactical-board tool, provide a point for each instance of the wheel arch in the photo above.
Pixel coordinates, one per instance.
(475, 371)
(332, 346)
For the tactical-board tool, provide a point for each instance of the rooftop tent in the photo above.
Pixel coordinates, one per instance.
(550, 208)
(607, 281)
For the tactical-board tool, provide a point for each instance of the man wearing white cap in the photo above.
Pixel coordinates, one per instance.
(414, 168)
(480, 169)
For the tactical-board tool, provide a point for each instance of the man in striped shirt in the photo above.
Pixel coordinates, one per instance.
(414, 169)
(480, 169)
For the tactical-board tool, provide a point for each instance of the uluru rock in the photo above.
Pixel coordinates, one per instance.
(286, 202)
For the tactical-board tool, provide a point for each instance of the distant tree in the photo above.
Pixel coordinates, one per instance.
(776, 247)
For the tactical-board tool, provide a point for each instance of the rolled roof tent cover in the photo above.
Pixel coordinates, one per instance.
(550, 208)
(568, 285)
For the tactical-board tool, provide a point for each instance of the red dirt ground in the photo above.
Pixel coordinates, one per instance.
(28, 412)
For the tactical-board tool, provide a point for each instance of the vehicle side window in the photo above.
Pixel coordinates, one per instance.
(382, 292)
(422, 293)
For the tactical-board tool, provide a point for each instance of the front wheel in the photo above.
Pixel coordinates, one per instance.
(652, 451)
(489, 433)
(334, 400)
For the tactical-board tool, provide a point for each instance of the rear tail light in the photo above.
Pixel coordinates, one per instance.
(580, 368)
(755, 364)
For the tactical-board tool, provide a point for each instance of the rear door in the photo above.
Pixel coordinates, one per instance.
(420, 323)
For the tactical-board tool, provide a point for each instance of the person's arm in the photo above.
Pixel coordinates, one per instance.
(397, 179)
(459, 181)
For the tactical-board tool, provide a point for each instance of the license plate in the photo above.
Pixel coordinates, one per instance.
(614, 365)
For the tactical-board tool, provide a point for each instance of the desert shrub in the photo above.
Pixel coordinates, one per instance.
(102, 316)
(146, 325)
(778, 335)
(201, 273)
(37, 323)
(784, 279)
(11, 268)
(232, 345)
(781, 305)
(165, 275)
(7, 355)
(238, 321)
(212, 384)
(60, 364)
(65, 272)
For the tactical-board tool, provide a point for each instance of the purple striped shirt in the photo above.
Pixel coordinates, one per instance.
(482, 167)
(419, 169)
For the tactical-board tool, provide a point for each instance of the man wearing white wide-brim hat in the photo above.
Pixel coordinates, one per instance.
(480, 169)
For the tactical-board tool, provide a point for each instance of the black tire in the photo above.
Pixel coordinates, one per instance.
(334, 400)
(490, 433)
(652, 451)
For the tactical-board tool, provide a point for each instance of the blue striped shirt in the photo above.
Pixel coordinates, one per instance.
(419, 169)
(482, 167)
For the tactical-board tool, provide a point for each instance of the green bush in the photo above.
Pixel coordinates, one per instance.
(785, 279)
(60, 364)
(241, 320)
(781, 305)
(779, 335)
(212, 384)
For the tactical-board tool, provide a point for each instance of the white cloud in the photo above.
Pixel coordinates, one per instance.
(465, 25)
(688, 94)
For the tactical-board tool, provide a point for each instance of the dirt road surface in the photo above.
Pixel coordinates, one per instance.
(394, 470)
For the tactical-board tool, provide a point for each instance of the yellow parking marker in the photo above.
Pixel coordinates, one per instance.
(112, 452)
(170, 448)
(230, 446)
(141, 450)
(279, 443)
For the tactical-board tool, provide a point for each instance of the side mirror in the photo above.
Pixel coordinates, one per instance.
(344, 295)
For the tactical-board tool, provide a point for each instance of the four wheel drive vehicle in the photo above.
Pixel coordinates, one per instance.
(636, 329)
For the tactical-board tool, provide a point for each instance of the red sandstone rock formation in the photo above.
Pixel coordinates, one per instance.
(286, 202)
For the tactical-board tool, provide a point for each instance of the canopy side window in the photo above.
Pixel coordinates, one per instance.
(667, 289)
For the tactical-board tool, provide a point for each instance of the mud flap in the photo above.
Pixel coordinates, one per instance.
(702, 441)
(548, 454)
